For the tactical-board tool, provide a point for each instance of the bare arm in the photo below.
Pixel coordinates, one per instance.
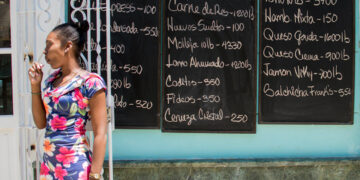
(98, 121)
(38, 109)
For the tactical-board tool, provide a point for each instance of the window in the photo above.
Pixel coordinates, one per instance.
(6, 103)
(4, 24)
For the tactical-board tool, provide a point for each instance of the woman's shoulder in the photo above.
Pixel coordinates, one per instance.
(93, 83)
(91, 79)
(91, 76)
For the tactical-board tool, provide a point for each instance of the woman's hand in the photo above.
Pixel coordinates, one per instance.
(36, 74)
(38, 109)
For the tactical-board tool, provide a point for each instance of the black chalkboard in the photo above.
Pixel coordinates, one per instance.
(209, 66)
(306, 61)
(135, 54)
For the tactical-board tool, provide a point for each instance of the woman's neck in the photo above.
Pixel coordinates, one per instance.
(70, 68)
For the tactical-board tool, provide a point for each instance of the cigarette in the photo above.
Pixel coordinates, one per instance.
(41, 55)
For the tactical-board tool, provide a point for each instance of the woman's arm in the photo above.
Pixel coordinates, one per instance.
(98, 121)
(38, 109)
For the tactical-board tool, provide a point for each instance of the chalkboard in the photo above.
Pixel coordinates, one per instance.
(306, 61)
(209, 66)
(135, 54)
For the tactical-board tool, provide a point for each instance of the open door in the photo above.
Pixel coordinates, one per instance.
(9, 124)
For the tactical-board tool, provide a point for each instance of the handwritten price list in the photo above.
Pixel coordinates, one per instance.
(306, 61)
(135, 42)
(209, 66)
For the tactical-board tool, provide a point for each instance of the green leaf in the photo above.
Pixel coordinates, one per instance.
(82, 112)
(64, 108)
(73, 109)
(51, 166)
(69, 122)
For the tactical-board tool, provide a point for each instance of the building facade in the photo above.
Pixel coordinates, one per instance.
(271, 151)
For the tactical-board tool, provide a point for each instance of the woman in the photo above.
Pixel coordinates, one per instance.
(71, 96)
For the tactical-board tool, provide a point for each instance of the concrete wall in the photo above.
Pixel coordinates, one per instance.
(270, 141)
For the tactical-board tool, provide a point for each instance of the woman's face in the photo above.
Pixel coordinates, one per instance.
(54, 51)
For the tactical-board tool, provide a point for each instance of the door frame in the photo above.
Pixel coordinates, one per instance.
(9, 124)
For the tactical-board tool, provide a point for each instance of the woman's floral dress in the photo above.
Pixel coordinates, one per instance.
(66, 150)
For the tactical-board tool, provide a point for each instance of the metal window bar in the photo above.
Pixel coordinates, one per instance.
(110, 102)
(42, 17)
(37, 134)
(25, 13)
(89, 37)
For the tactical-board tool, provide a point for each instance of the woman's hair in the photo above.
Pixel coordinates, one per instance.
(74, 32)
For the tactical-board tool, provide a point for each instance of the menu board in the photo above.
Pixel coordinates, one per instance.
(135, 55)
(306, 61)
(209, 66)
